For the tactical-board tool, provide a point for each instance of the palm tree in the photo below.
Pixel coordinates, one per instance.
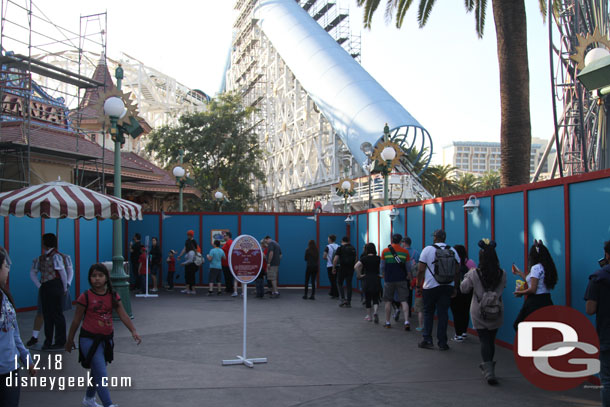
(438, 180)
(511, 35)
(466, 183)
(489, 180)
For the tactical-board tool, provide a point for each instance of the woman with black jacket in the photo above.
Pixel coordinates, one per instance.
(312, 259)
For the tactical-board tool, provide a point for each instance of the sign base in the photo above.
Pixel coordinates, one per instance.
(244, 361)
(147, 295)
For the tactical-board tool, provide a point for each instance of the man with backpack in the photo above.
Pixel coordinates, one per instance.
(396, 269)
(436, 278)
(345, 257)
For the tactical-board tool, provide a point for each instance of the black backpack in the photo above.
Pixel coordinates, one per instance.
(347, 256)
(445, 266)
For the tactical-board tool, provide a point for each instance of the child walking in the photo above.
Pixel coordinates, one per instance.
(94, 309)
(171, 269)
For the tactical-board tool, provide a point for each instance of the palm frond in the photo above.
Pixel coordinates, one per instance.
(425, 7)
(469, 5)
(479, 15)
(389, 10)
(543, 9)
(370, 6)
(403, 6)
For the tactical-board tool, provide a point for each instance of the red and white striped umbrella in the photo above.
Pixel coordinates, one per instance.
(60, 199)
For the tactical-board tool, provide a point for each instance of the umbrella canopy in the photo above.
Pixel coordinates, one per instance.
(60, 199)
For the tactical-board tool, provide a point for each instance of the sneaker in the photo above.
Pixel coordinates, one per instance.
(219, 293)
(154, 290)
(375, 318)
(185, 291)
(457, 338)
(387, 325)
(46, 346)
(425, 345)
(367, 318)
(419, 329)
(397, 315)
(33, 341)
(90, 402)
(348, 305)
(234, 294)
(407, 327)
(193, 292)
(443, 347)
(343, 304)
(210, 293)
(464, 335)
(312, 298)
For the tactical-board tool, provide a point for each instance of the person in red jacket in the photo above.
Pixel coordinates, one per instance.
(226, 271)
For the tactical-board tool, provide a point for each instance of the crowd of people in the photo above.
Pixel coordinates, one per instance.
(418, 285)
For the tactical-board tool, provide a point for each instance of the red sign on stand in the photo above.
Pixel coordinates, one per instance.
(245, 259)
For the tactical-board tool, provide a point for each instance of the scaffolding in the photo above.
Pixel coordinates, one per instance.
(581, 133)
(25, 31)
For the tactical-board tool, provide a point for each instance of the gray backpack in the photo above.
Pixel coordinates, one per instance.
(490, 304)
(445, 266)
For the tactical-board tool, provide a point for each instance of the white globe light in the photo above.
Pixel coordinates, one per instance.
(596, 54)
(250, 209)
(345, 185)
(114, 106)
(388, 154)
(178, 172)
(219, 195)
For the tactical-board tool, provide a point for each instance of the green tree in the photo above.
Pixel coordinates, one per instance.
(511, 36)
(466, 183)
(219, 144)
(489, 180)
(438, 180)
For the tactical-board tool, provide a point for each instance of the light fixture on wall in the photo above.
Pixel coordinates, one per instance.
(394, 214)
(349, 219)
(471, 204)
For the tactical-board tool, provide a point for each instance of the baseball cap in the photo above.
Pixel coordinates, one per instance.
(439, 234)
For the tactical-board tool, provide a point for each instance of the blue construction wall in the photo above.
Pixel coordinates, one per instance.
(568, 215)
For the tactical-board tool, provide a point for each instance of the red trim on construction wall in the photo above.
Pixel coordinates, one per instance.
(6, 234)
(239, 224)
(160, 243)
(493, 217)
(318, 244)
(97, 240)
(277, 228)
(357, 236)
(526, 231)
(423, 226)
(443, 215)
(406, 231)
(378, 229)
(391, 229)
(76, 257)
(201, 246)
(568, 243)
(368, 226)
(465, 228)
(125, 240)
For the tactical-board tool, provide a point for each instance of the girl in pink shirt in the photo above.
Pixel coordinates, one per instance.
(94, 309)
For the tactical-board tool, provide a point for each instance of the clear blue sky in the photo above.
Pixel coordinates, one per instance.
(442, 74)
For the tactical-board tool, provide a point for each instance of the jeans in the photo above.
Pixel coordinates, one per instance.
(170, 279)
(228, 279)
(334, 291)
(9, 396)
(487, 337)
(437, 299)
(52, 297)
(604, 375)
(98, 370)
(259, 283)
(346, 275)
(189, 275)
(310, 274)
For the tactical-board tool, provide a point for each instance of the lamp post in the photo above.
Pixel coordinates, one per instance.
(345, 189)
(114, 108)
(367, 149)
(386, 154)
(179, 172)
(220, 195)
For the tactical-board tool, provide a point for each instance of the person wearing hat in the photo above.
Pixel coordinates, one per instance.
(190, 237)
(437, 296)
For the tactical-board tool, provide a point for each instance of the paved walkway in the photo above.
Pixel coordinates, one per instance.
(319, 355)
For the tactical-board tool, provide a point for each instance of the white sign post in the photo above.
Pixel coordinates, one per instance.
(245, 261)
(146, 294)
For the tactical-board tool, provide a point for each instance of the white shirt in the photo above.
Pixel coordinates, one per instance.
(332, 248)
(537, 271)
(427, 256)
